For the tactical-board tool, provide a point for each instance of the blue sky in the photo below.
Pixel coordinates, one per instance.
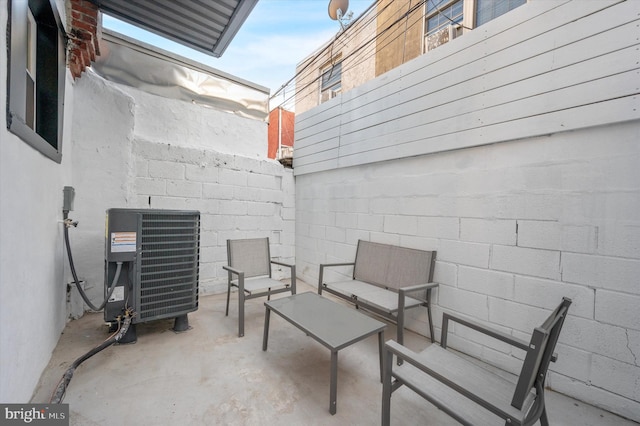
(275, 37)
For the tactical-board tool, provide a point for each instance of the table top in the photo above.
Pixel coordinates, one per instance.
(332, 324)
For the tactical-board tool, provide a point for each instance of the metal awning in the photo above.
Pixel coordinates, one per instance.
(204, 25)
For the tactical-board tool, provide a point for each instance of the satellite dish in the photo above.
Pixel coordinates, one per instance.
(338, 8)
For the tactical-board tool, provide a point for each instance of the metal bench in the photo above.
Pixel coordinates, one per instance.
(387, 280)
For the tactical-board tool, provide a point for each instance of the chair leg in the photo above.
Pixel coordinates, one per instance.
(386, 389)
(543, 418)
(293, 279)
(240, 313)
(226, 314)
(429, 316)
(400, 325)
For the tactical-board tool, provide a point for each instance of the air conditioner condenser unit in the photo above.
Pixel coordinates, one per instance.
(152, 259)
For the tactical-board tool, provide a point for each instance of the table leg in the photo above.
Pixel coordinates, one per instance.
(381, 353)
(265, 336)
(333, 393)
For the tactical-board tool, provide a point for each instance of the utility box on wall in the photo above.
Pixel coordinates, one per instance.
(152, 260)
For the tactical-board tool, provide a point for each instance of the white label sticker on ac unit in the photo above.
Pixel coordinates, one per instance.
(123, 242)
(118, 294)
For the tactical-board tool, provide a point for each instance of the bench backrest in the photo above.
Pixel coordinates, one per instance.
(392, 266)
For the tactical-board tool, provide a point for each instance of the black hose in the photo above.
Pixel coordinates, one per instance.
(61, 389)
(75, 275)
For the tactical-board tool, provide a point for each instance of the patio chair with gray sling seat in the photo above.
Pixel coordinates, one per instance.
(472, 393)
(249, 269)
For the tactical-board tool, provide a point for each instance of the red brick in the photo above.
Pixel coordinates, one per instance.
(84, 26)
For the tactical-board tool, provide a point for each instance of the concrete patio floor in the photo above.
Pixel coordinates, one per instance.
(209, 376)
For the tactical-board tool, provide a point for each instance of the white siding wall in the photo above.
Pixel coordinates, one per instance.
(551, 211)
(545, 67)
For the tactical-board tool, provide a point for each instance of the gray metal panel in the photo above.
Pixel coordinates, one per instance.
(168, 264)
(131, 62)
(206, 26)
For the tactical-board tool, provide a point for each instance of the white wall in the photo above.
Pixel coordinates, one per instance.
(114, 156)
(32, 278)
(136, 150)
(517, 225)
(194, 126)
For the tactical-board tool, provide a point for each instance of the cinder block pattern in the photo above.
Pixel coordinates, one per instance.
(464, 253)
(485, 281)
(438, 227)
(488, 231)
(534, 262)
(147, 186)
(401, 225)
(420, 243)
(602, 339)
(170, 203)
(263, 181)
(594, 395)
(166, 170)
(218, 192)
(557, 236)
(334, 233)
(516, 315)
(445, 273)
(254, 194)
(347, 220)
(465, 302)
(236, 208)
(615, 376)
(142, 168)
(370, 222)
(618, 309)
(199, 173)
(601, 272)
(233, 177)
(573, 362)
(619, 238)
(184, 189)
(548, 294)
(538, 220)
(265, 209)
(236, 197)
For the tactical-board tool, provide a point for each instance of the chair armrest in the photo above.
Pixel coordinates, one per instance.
(417, 287)
(405, 354)
(292, 267)
(446, 317)
(323, 265)
(233, 270)
(402, 294)
(327, 265)
(277, 262)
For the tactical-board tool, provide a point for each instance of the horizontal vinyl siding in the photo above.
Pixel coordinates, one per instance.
(543, 68)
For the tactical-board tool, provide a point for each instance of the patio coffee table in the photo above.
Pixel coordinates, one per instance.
(333, 325)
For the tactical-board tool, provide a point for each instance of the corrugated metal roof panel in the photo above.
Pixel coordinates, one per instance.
(204, 25)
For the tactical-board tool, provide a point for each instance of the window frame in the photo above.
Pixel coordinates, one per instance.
(329, 68)
(51, 95)
(468, 21)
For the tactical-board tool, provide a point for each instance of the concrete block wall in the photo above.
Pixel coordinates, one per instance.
(122, 161)
(516, 226)
(238, 197)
